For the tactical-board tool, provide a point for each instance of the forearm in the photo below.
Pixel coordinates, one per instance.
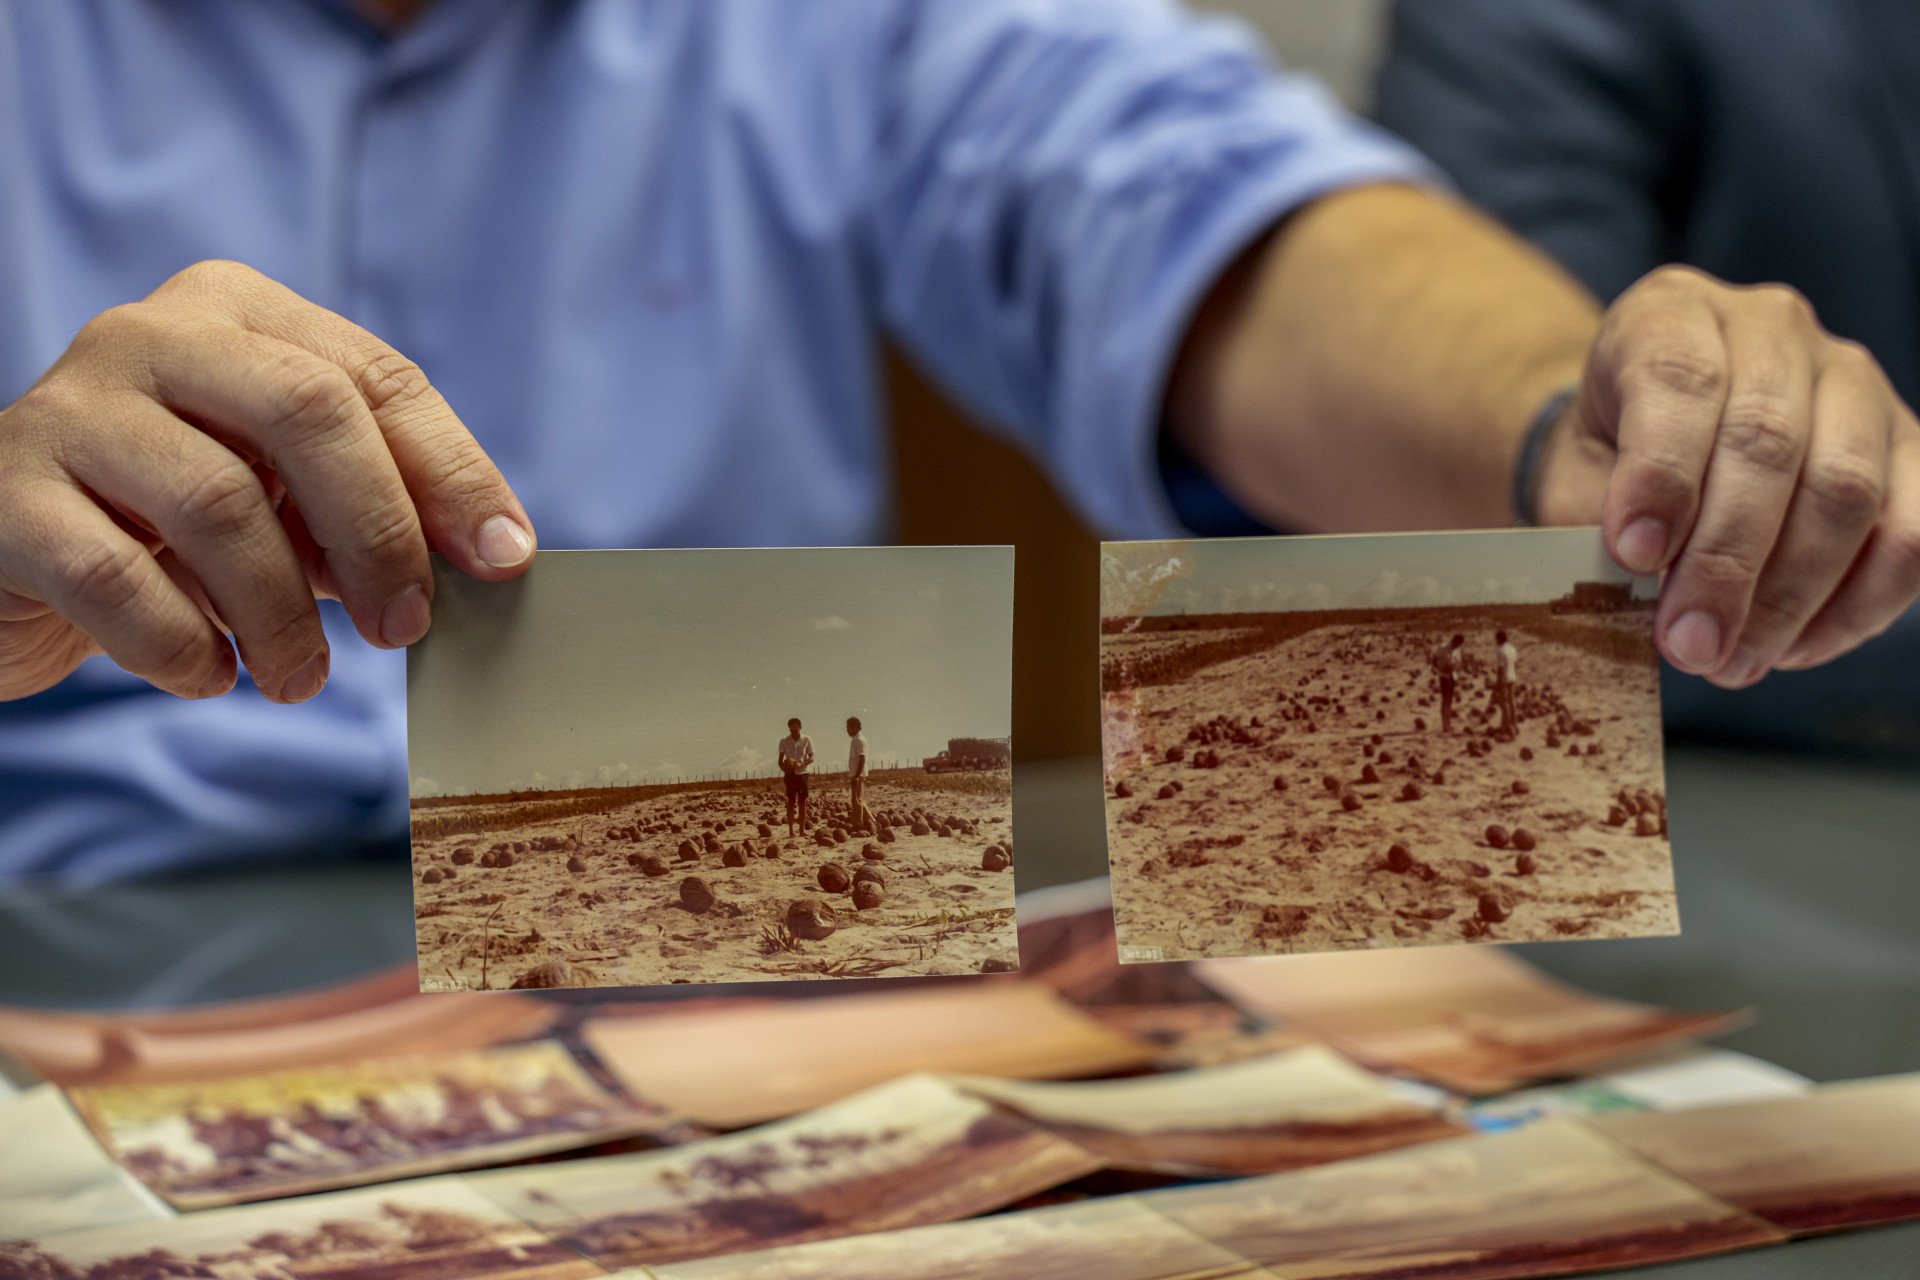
(1374, 363)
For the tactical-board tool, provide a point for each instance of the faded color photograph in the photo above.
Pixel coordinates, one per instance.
(53, 1174)
(378, 1016)
(1118, 1239)
(1844, 1155)
(711, 1065)
(631, 768)
(254, 1137)
(1548, 1199)
(429, 1230)
(1306, 1107)
(1318, 744)
(1477, 1020)
(912, 1152)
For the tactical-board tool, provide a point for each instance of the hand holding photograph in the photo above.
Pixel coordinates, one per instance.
(632, 768)
(1318, 744)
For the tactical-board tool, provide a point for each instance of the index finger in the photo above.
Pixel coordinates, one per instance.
(466, 509)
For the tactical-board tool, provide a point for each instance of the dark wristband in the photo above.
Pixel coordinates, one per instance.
(1533, 451)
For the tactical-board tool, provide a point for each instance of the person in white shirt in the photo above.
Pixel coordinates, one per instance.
(1506, 675)
(796, 758)
(857, 773)
(1446, 666)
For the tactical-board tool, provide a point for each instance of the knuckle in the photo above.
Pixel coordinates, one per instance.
(1761, 431)
(1779, 609)
(390, 381)
(210, 274)
(1665, 482)
(314, 401)
(390, 533)
(1690, 373)
(1783, 301)
(226, 502)
(1854, 359)
(1848, 493)
(1723, 566)
(104, 574)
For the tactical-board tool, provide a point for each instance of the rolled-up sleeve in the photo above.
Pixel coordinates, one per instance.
(1059, 183)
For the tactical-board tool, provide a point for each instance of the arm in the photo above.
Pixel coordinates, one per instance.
(1373, 363)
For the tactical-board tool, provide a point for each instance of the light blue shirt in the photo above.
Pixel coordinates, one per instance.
(646, 248)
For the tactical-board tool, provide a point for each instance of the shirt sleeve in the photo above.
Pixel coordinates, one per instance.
(1557, 116)
(1059, 182)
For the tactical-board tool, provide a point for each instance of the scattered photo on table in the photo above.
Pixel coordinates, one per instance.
(1116, 1239)
(911, 1152)
(54, 1176)
(426, 1230)
(631, 768)
(244, 1138)
(1288, 1111)
(1843, 1155)
(380, 1016)
(1549, 1199)
(1476, 1020)
(712, 1065)
(1320, 744)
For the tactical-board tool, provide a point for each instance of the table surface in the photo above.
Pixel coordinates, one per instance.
(1799, 889)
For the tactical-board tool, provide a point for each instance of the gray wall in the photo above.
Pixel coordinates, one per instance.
(1336, 40)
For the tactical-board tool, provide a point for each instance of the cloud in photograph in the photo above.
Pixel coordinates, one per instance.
(832, 622)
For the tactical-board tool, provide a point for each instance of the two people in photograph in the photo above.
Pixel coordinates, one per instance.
(795, 754)
(1447, 661)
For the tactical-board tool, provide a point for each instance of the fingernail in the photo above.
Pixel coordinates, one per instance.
(1694, 642)
(1643, 545)
(406, 617)
(221, 681)
(503, 543)
(307, 681)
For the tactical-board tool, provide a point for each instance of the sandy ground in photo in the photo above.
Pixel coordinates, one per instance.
(540, 922)
(1229, 865)
(1844, 1155)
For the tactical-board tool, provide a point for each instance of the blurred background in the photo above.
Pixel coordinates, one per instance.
(957, 482)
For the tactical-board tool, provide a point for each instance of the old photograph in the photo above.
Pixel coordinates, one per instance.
(1548, 1199)
(1305, 1107)
(908, 1153)
(55, 1177)
(1477, 1020)
(253, 1137)
(378, 1016)
(631, 768)
(711, 1065)
(1116, 1239)
(1844, 1155)
(1319, 744)
(428, 1230)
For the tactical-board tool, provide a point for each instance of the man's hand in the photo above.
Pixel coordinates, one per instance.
(207, 462)
(1767, 467)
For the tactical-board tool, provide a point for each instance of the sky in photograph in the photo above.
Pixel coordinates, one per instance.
(606, 668)
(1373, 571)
